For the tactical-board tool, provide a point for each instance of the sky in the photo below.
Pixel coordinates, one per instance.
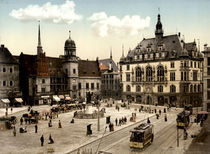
(98, 26)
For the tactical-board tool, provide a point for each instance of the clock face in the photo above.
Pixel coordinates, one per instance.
(74, 80)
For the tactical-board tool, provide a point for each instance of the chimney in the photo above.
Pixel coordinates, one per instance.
(179, 34)
(2, 45)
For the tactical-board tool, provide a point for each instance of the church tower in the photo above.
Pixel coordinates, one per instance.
(70, 66)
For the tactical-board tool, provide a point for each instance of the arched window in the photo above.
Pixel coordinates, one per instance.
(149, 74)
(191, 88)
(172, 88)
(199, 88)
(160, 89)
(160, 73)
(138, 74)
(128, 88)
(138, 88)
(195, 88)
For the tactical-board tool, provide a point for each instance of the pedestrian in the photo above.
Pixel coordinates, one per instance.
(155, 110)
(59, 124)
(148, 121)
(157, 116)
(50, 123)
(160, 112)
(21, 120)
(118, 108)
(57, 115)
(165, 117)
(36, 128)
(42, 140)
(11, 109)
(120, 122)
(164, 110)
(110, 127)
(14, 131)
(50, 141)
(116, 121)
(125, 119)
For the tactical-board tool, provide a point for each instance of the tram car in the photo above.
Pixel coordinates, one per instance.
(183, 119)
(141, 136)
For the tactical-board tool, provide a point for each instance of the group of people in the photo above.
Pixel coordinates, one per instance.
(122, 120)
(50, 140)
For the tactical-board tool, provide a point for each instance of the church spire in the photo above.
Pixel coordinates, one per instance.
(111, 53)
(159, 29)
(39, 47)
(69, 34)
(123, 50)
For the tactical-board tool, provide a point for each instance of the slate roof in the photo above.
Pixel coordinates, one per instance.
(6, 57)
(107, 62)
(55, 65)
(89, 68)
(28, 64)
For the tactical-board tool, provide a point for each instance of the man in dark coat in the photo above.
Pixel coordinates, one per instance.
(42, 140)
(36, 128)
(116, 121)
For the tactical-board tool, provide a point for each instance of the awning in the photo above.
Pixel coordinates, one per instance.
(66, 95)
(61, 96)
(68, 98)
(5, 100)
(19, 100)
(45, 97)
(56, 98)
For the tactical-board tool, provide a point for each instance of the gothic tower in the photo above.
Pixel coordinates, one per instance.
(159, 29)
(39, 47)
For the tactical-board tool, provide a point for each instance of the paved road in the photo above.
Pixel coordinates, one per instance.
(118, 142)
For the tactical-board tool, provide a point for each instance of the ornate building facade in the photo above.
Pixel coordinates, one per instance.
(206, 79)
(163, 70)
(49, 78)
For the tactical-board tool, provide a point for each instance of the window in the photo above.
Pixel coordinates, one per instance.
(191, 64)
(172, 64)
(74, 87)
(160, 73)
(4, 69)
(127, 77)
(43, 90)
(195, 75)
(74, 71)
(121, 77)
(128, 88)
(149, 73)
(208, 83)
(208, 71)
(185, 76)
(138, 74)
(4, 83)
(208, 95)
(191, 88)
(97, 86)
(160, 89)
(138, 88)
(172, 76)
(194, 64)
(128, 67)
(92, 86)
(87, 85)
(198, 64)
(79, 85)
(11, 83)
(10, 70)
(181, 76)
(172, 89)
(43, 80)
(195, 88)
(120, 67)
(199, 88)
(208, 61)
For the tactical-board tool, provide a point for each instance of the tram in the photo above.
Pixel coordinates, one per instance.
(141, 136)
(183, 119)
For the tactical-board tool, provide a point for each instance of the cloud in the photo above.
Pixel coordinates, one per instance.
(104, 25)
(64, 13)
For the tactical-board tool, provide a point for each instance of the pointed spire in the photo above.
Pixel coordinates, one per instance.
(39, 37)
(159, 29)
(69, 34)
(111, 53)
(122, 50)
(39, 47)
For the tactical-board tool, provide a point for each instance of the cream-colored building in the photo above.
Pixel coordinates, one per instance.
(163, 70)
(206, 79)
